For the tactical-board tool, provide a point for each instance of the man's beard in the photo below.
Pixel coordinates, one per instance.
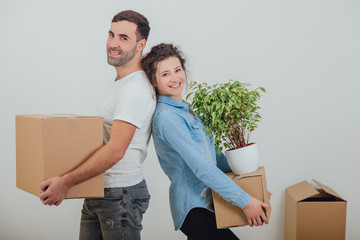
(124, 58)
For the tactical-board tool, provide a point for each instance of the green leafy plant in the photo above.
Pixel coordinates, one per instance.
(229, 111)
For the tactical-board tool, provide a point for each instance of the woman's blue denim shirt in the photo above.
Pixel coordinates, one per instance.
(188, 157)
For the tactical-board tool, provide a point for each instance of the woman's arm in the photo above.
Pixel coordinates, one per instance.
(173, 130)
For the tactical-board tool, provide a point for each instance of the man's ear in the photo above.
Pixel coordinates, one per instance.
(141, 45)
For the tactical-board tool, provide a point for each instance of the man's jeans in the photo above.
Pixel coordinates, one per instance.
(116, 216)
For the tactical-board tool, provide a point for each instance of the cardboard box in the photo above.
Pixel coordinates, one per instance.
(227, 214)
(52, 145)
(314, 214)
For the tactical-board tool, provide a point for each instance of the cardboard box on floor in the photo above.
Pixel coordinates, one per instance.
(228, 215)
(314, 214)
(52, 145)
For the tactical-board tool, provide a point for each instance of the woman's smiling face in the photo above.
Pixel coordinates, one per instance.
(170, 78)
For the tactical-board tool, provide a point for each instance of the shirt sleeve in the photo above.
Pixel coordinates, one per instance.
(172, 129)
(132, 103)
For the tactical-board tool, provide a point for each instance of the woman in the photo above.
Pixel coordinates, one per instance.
(188, 156)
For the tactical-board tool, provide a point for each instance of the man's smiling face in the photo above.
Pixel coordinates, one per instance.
(122, 43)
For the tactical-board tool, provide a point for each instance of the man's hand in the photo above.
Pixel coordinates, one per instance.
(55, 190)
(254, 212)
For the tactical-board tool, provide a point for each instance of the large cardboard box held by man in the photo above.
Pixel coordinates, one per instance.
(314, 213)
(52, 145)
(228, 215)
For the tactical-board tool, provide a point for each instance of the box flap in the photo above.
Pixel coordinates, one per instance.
(301, 191)
(328, 190)
(37, 116)
(45, 116)
(260, 171)
(63, 116)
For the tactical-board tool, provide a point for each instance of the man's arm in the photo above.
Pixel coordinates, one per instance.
(56, 188)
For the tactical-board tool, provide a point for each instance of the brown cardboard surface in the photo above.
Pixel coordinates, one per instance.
(228, 215)
(302, 190)
(328, 190)
(319, 215)
(51, 145)
(29, 143)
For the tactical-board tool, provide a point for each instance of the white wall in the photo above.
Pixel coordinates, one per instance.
(305, 53)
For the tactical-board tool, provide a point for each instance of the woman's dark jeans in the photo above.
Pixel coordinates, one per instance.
(200, 224)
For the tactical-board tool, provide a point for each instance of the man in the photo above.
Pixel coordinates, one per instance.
(127, 114)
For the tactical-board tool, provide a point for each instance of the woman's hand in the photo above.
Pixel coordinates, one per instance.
(254, 212)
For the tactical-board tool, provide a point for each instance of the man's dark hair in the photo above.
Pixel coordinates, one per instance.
(143, 28)
(157, 54)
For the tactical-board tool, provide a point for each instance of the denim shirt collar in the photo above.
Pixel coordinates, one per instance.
(173, 102)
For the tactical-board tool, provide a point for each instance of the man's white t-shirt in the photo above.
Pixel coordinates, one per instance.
(130, 99)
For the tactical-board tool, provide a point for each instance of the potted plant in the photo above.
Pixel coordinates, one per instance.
(230, 113)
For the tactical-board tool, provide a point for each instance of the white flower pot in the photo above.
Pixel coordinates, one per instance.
(243, 160)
